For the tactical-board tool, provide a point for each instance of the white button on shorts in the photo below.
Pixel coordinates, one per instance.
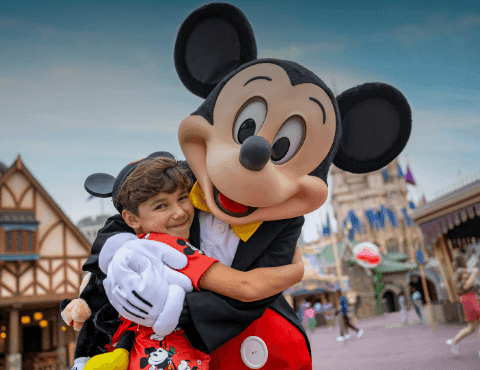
(254, 352)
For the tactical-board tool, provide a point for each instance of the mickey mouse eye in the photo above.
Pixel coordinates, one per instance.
(249, 120)
(288, 140)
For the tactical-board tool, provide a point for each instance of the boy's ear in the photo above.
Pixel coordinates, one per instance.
(131, 220)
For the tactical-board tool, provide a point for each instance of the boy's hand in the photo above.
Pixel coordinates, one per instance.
(144, 291)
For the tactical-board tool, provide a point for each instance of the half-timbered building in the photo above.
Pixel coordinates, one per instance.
(41, 258)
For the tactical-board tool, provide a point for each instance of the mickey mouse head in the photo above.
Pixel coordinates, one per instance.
(263, 141)
(157, 358)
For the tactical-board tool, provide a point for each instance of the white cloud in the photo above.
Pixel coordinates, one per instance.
(301, 50)
(434, 25)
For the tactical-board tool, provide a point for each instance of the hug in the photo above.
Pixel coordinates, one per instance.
(258, 151)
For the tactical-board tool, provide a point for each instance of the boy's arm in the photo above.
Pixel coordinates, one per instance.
(205, 313)
(253, 285)
(245, 286)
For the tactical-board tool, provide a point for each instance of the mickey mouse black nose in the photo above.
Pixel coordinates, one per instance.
(255, 153)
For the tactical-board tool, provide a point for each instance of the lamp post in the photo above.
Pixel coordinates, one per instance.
(339, 272)
(421, 261)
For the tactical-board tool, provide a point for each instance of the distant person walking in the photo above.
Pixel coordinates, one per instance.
(417, 303)
(403, 308)
(358, 303)
(467, 286)
(343, 315)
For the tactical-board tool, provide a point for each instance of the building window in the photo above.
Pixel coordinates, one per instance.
(20, 241)
(30, 241)
(9, 244)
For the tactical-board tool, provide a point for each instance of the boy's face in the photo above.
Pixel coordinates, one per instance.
(164, 213)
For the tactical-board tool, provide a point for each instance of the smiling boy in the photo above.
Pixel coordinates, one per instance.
(154, 201)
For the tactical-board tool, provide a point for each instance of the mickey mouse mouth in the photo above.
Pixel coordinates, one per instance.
(230, 207)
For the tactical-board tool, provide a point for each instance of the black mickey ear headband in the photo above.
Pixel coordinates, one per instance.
(102, 185)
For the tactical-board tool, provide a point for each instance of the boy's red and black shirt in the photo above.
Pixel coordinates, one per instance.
(198, 261)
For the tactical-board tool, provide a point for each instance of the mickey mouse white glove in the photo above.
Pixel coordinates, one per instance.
(139, 284)
(156, 252)
(139, 289)
(80, 363)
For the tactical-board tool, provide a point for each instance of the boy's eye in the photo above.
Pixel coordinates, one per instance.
(160, 206)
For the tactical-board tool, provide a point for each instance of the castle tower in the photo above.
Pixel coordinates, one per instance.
(376, 203)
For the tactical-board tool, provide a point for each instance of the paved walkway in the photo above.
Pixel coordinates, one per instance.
(387, 344)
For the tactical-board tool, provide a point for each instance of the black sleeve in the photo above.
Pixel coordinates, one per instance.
(64, 304)
(94, 293)
(113, 225)
(210, 319)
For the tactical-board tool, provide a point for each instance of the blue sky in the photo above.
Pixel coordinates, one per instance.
(88, 86)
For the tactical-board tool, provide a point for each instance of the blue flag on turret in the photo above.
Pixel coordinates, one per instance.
(326, 228)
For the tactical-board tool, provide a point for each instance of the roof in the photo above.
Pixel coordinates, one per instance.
(447, 203)
(326, 255)
(18, 217)
(387, 265)
(19, 167)
(3, 168)
(396, 256)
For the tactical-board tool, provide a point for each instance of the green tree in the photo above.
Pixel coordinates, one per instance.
(378, 287)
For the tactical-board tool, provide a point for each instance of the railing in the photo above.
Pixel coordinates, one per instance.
(43, 361)
(458, 183)
(46, 365)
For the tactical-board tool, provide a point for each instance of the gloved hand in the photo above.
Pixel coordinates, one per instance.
(80, 363)
(145, 290)
(155, 251)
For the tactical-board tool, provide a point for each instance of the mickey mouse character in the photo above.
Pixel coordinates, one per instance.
(185, 365)
(158, 359)
(260, 147)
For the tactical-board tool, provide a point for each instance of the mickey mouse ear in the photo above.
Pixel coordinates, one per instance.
(212, 42)
(100, 185)
(161, 154)
(376, 126)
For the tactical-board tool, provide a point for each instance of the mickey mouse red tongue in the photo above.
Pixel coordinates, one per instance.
(230, 207)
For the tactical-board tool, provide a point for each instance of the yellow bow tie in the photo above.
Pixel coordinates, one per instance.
(244, 232)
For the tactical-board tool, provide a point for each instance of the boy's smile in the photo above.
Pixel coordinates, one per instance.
(164, 213)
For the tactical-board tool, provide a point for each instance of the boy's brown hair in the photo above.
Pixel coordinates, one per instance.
(157, 175)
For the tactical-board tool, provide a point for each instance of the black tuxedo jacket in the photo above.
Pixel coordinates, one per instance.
(210, 319)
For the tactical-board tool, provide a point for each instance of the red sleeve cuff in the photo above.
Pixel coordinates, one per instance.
(198, 261)
(196, 267)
